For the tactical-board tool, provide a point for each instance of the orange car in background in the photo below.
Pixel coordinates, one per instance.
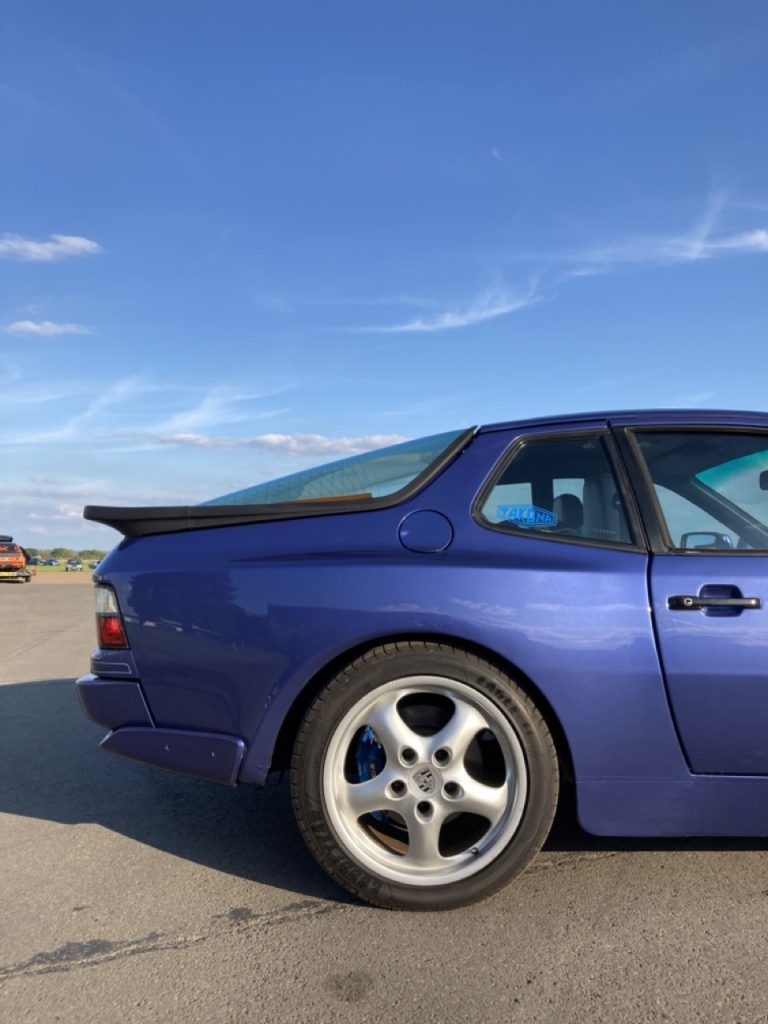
(13, 561)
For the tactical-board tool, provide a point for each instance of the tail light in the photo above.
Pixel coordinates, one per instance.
(109, 622)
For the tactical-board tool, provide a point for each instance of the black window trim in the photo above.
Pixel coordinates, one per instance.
(640, 477)
(616, 465)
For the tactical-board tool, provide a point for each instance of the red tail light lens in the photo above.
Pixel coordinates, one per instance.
(109, 624)
(110, 630)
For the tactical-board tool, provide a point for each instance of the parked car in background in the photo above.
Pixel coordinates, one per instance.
(73, 565)
(50, 561)
(13, 561)
(94, 565)
(435, 637)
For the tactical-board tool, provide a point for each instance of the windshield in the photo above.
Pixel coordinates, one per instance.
(374, 474)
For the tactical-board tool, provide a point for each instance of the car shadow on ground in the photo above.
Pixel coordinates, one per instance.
(53, 770)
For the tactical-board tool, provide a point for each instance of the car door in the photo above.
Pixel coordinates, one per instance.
(707, 489)
(560, 588)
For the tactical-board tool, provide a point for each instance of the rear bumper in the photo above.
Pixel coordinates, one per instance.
(119, 705)
(113, 703)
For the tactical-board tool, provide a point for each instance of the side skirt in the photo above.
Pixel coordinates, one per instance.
(699, 805)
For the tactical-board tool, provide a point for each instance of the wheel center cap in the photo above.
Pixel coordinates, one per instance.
(425, 780)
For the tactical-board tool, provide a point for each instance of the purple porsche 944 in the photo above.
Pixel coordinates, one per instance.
(437, 637)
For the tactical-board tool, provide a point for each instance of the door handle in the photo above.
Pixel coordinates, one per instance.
(693, 603)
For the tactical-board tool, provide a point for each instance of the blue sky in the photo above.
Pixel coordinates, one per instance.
(238, 239)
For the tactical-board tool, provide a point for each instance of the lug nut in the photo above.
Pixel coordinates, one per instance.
(442, 757)
(408, 755)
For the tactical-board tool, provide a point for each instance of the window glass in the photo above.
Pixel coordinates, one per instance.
(372, 475)
(712, 487)
(563, 487)
(688, 522)
(504, 497)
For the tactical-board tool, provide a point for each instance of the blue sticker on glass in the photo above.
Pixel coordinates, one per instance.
(526, 515)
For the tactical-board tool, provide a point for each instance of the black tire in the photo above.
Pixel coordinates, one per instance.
(431, 692)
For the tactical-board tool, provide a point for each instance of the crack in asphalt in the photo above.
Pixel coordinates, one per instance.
(548, 865)
(75, 955)
(94, 952)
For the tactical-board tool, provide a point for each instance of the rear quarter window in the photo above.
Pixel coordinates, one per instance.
(360, 478)
(561, 487)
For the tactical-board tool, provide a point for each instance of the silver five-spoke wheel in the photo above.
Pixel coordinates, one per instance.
(443, 781)
(423, 777)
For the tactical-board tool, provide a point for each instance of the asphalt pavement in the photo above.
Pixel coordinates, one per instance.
(132, 895)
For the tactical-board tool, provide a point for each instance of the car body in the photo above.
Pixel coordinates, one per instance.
(13, 561)
(50, 561)
(73, 565)
(435, 637)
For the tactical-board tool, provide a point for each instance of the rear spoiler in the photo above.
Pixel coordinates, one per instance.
(144, 521)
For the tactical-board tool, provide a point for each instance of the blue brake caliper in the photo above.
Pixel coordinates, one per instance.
(370, 759)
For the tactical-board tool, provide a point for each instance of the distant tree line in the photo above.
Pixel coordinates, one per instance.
(63, 553)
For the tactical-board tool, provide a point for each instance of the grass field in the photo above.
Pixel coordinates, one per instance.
(44, 569)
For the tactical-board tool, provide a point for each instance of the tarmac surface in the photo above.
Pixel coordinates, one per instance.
(132, 895)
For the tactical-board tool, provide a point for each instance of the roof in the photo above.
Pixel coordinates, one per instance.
(642, 417)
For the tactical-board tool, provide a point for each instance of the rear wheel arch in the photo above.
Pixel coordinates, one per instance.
(283, 747)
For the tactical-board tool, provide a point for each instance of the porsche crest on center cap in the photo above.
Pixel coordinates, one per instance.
(425, 780)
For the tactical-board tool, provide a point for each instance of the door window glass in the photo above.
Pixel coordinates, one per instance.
(712, 487)
(689, 525)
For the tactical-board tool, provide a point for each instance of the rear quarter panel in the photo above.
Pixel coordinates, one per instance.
(228, 625)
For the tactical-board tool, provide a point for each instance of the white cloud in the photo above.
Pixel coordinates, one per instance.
(55, 248)
(493, 303)
(746, 242)
(661, 250)
(99, 413)
(61, 513)
(707, 239)
(219, 405)
(72, 429)
(287, 444)
(45, 328)
(702, 242)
